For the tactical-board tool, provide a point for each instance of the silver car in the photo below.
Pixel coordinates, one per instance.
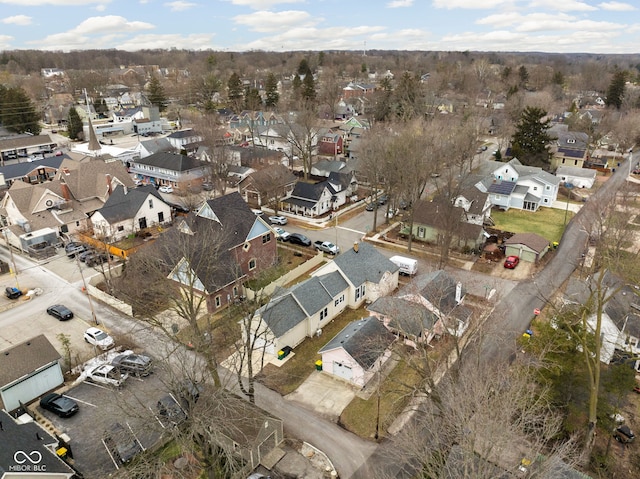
(134, 364)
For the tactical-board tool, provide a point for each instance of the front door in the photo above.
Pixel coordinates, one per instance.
(142, 222)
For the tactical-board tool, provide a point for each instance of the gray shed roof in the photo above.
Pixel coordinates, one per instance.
(365, 340)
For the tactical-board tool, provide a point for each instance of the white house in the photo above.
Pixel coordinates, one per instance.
(578, 177)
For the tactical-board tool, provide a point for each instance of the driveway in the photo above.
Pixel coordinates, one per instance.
(324, 395)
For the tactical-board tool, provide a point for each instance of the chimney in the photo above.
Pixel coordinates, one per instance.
(109, 189)
(355, 246)
(458, 292)
(65, 191)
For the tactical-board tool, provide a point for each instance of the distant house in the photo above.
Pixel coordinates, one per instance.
(171, 169)
(357, 90)
(313, 200)
(154, 145)
(570, 147)
(23, 145)
(529, 247)
(357, 352)
(326, 167)
(330, 143)
(514, 185)
(218, 248)
(38, 171)
(187, 139)
(576, 176)
(268, 186)
(127, 211)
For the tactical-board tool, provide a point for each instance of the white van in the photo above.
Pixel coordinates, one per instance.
(408, 266)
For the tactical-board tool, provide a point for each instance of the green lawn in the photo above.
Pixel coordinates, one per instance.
(546, 222)
(286, 378)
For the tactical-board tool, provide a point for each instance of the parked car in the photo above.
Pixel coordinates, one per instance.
(278, 220)
(169, 411)
(326, 247)
(85, 254)
(166, 189)
(121, 443)
(107, 374)
(135, 364)
(297, 238)
(12, 293)
(371, 206)
(282, 234)
(98, 338)
(382, 200)
(73, 248)
(511, 262)
(58, 404)
(60, 311)
(96, 259)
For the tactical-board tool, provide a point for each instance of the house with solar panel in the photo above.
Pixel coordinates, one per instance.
(569, 147)
(514, 185)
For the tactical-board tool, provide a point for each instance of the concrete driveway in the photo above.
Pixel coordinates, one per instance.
(326, 396)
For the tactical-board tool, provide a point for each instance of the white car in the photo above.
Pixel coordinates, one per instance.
(282, 234)
(107, 374)
(98, 338)
(278, 220)
(166, 189)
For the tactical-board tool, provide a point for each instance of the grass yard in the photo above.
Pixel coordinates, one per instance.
(361, 416)
(286, 378)
(546, 222)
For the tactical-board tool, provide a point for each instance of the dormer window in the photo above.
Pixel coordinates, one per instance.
(571, 140)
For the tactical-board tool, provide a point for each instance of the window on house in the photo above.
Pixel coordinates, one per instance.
(120, 228)
(252, 264)
(150, 204)
(235, 291)
(246, 246)
(324, 313)
(571, 140)
(160, 217)
(575, 162)
(218, 301)
(535, 188)
(266, 238)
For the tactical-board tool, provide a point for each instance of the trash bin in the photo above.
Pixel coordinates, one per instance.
(319, 365)
(281, 354)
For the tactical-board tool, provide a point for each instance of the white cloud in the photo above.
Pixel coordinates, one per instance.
(179, 6)
(540, 22)
(17, 20)
(196, 41)
(563, 5)
(37, 3)
(109, 23)
(5, 42)
(101, 8)
(616, 6)
(400, 3)
(469, 4)
(262, 4)
(264, 21)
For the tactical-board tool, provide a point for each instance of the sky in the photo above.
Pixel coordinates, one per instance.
(562, 26)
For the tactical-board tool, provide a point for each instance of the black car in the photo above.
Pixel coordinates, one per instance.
(169, 411)
(121, 443)
(58, 404)
(60, 311)
(371, 206)
(85, 254)
(12, 293)
(297, 238)
(382, 200)
(73, 248)
(96, 259)
(136, 364)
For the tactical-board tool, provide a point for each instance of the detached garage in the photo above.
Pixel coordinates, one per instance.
(529, 247)
(27, 371)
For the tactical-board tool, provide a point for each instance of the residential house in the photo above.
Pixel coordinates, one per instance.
(34, 172)
(128, 211)
(436, 219)
(357, 352)
(313, 200)
(23, 145)
(357, 90)
(326, 167)
(148, 147)
(237, 174)
(27, 371)
(267, 186)
(576, 176)
(330, 143)
(63, 205)
(218, 248)
(569, 148)
(514, 185)
(187, 140)
(528, 247)
(428, 307)
(351, 278)
(620, 324)
(164, 168)
(30, 450)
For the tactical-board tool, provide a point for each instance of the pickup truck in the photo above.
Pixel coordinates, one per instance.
(326, 247)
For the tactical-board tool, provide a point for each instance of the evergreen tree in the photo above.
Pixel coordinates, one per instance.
(74, 124)
(529, 142)
(303, 68)
(308, 92)
(296, 85)
(523, 74)
(235, 92)
(156, 94)
(271, 92)
(615, 92)
(17, 112)
(252, 99)
(101, 106)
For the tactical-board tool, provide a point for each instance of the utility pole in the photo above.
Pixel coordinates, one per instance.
(14, 269)
(84, 284)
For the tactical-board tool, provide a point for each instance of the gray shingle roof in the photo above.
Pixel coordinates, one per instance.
(20, 170)
(404, 316)
(171, 161)
(282, 314)
(121, 206)
(312, 295)
(365, 340)
(536, 242)
(365, 265)
(26, 357)
(438, 288)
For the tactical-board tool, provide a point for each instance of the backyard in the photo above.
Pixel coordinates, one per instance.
(546, 222)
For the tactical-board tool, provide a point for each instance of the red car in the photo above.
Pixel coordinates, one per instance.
(511, 262)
